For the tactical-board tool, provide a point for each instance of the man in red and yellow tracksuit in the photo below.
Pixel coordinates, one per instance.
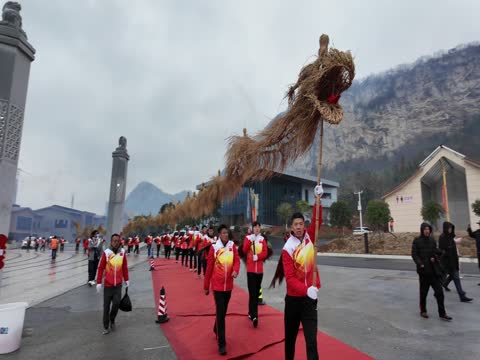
(177, 241)
(149, 241)
(256, 251)
(200, 254)
(167, 244)
(114, 263)
(158, 241)
(184, 247)
(297, 265)
(136, 242)
(192, 241)
(223, 266)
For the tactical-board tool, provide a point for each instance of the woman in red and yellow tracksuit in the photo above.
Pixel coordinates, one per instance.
(114, 263)
(222, 267)
(256, 251)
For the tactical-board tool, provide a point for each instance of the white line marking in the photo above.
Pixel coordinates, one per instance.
(157, 347)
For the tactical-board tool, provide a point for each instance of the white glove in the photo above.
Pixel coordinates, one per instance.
(99, 287)
(255, 257)
(319, 190)
(127, 283)
(312, 292)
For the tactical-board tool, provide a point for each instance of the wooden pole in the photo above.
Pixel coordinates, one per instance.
(317, 203)
(444, 190)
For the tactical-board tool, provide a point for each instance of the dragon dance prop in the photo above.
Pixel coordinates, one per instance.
(312, 100)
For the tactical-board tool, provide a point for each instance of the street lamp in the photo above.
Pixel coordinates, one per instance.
(359, 208)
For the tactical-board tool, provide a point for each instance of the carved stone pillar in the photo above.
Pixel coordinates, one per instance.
(16, 55)
(118, 185)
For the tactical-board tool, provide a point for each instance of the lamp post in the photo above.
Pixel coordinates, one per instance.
(359, 208)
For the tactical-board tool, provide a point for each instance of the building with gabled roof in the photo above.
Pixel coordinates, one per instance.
(462, 178)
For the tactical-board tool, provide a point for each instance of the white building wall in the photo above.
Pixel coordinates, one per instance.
(407, 214)
(472, 174)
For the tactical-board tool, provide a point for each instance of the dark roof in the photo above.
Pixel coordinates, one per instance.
(291, 176)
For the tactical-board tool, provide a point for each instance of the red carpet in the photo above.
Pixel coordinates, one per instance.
(192, 314)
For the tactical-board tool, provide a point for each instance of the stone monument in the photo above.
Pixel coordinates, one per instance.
(16, 55)
(116, 204)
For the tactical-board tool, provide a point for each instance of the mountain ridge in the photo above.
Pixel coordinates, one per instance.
(401, 115)
(146, 198)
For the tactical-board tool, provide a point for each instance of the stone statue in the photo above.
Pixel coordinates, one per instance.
(122, 143)
(11, 14)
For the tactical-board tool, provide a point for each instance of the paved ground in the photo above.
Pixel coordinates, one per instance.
(69, 327)
(467, 269)
(32, 277)
(374, 310)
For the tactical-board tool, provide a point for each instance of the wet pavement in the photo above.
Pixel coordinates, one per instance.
(31, 276)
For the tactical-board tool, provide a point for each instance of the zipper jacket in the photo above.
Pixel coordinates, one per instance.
(255, 245)
(222, 261)
(115, 267)
(299, 261)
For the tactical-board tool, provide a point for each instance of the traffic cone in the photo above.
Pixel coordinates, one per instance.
(162, 308)
(152, 265)
(260, 298)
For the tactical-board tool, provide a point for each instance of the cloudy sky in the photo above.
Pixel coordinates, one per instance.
(178, 77)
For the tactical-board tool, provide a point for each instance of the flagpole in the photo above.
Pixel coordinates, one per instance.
(317, 203)
(445, 190)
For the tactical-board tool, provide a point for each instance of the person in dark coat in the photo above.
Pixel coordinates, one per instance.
(449, 260)
(425, 255)
(476, 235)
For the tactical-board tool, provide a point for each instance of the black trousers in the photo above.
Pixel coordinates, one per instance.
(202, 263)
(254, 282)
(427, 281)
(455, 276)
(168, 249)
(129, 249)
(193, 258)
(185, 257)
(137, 249)
(92, 269)
(111, 296)
(177, 253)
(478, 258)
(300, 310)
(159, 246)
(221, 304)
(54, 254)
(77, 247)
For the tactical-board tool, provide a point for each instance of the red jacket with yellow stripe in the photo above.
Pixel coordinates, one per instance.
(115, 267)
(222, 261)
(260, 250)
(299, 260)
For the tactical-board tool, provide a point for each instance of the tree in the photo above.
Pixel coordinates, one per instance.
(78, 230)
(285, 211)
(476, 207)
(340, 214)
(303, 206)
(377, 214)
(432, 211)
(102, 230)
(166, 206)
